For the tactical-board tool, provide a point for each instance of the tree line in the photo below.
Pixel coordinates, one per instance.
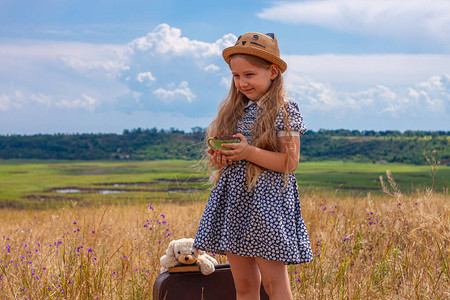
(153, 144)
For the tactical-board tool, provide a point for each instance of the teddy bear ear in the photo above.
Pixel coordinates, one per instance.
(170, 249)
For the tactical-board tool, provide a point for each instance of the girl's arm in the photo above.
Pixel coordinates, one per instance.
(284, 161)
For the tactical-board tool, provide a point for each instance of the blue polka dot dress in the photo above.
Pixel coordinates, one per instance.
(265, 222)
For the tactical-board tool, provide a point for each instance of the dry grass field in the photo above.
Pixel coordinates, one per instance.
(374, 247)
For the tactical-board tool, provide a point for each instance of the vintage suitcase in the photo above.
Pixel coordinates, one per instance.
(196, 286)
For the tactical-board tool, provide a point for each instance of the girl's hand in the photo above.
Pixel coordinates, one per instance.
(286, 160)
(217, 159)
(239, 151)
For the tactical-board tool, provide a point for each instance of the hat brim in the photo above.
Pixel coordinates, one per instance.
(227, 52)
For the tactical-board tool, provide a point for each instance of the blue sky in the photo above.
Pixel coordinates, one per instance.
(70, 66)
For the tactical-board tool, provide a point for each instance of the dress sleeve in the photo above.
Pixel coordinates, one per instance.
(295, 120)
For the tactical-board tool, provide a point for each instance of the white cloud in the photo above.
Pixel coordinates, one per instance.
(110, 60)
(21, 100)
(16, 100)
(169, 95)
(49, 71)
(86, 102)
(13, 100)
(136, 95)
(5, 103)
(318, 95)
(168, 41)
(41, 99)
(399, 18)
(90, 59)
(384, 99)
(145, 76)
(433, 93)
(429, 97)
(46, 72)
(225, 82)
(211, 68)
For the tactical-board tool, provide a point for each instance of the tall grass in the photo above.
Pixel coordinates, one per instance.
(384, 247)
(375, 247)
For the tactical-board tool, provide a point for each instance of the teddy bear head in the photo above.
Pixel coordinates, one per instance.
(183, 251)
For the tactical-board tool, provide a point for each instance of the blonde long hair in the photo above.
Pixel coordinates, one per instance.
(231, 110)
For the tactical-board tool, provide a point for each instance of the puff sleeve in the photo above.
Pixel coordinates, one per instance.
(295, 120)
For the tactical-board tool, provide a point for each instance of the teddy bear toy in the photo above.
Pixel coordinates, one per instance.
(181, 252)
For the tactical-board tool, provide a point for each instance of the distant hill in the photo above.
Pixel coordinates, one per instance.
(151, 144)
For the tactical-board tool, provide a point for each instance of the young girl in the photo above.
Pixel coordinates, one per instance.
(253, 213)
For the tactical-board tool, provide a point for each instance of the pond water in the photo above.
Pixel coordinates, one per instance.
(106, 192)
(67, 191)
(127, 185)
(180, 191)
(73, 191)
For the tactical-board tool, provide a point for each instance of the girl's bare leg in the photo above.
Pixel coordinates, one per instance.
(246, 276)
(275, 279)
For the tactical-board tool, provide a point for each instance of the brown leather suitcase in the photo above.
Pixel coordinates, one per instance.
(196, 286)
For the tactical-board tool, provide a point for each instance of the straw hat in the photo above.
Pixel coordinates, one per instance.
(262, 45)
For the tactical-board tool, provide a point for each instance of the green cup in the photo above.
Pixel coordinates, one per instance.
(215, 142)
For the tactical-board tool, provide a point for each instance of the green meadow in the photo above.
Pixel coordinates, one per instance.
(46, 184)
(364, 177)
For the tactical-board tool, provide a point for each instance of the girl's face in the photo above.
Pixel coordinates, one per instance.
(251, 80)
